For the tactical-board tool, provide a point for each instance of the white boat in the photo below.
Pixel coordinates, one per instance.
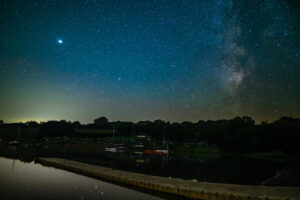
(121, 149)
(15, 142)
(115, 149)
(111, 149)
(161, 151)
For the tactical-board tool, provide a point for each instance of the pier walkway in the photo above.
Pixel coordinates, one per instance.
(177, 187)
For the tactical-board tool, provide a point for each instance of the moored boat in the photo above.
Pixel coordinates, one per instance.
(111, 149)
(15, 143)
(161, 151)
(157, 150)
(121, 149)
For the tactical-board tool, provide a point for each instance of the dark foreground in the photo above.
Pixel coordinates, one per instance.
(26, 181)
(211, 167)
(178, 187)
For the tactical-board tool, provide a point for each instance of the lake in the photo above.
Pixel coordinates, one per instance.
(22, 181)
(219, 168)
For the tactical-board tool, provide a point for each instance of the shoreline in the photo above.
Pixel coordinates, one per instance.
(173, 186)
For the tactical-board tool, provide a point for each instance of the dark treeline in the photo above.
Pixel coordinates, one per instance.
(239, 135)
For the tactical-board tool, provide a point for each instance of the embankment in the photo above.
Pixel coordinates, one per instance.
(177, 187)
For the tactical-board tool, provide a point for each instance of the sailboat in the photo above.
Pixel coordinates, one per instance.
(16, 142)
(115, 147)
(160, 150)
(112, 148)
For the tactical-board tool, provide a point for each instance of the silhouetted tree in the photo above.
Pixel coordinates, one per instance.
(101, 122)
(32, 124)
(237, 135)
(248, 120)
(56, 128)
(76, 124)
(123, 128)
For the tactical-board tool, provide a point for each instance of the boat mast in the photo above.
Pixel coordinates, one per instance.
(113, 134)
(19, 131)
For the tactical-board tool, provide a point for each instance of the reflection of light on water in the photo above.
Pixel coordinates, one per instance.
(30, 180)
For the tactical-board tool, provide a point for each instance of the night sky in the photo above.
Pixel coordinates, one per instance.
(176, 60)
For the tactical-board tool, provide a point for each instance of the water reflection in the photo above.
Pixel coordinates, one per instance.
(21, 180)
(210, 167)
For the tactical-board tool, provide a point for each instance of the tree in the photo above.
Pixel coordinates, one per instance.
(124, 128)
(56, 128)
(76, 124)
(102, 121)
(248, 120)
(32, 124)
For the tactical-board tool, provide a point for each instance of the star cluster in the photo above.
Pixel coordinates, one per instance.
(137, 60)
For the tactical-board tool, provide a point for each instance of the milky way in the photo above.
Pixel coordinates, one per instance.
(137, 60)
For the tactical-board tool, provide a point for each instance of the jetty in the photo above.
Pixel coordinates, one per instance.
(191, 189)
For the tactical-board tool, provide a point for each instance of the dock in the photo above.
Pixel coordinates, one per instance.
(175, 187)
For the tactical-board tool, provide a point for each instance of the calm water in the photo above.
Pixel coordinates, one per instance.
(210, 167)
(24, 181)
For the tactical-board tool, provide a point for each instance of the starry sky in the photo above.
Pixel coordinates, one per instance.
(176, 60)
